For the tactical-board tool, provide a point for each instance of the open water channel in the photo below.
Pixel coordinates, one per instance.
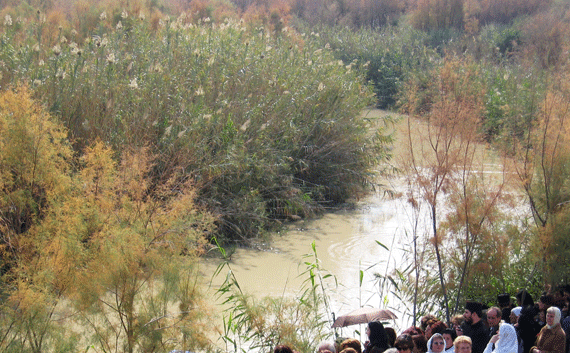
(346, 243)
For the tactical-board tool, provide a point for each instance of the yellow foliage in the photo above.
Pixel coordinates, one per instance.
(34, 163)
(103, 238)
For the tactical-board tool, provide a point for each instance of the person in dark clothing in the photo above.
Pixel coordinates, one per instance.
(527, 326)
(524, 298)
(504, 301)
(377, 338)
(474, 328)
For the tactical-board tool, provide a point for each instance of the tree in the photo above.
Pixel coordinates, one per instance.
(543, 167)
(100, 245)
(443, 146)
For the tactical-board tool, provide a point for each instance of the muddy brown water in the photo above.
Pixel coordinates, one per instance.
(346, 243)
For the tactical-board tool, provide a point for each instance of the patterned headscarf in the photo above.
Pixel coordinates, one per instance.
(508, 342)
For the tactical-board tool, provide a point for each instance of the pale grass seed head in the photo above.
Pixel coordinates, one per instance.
(56, 50)
(61, 74)
(7, 20)
(134, 84)
(111, 58)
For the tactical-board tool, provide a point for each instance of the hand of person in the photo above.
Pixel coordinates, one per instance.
(495, 338)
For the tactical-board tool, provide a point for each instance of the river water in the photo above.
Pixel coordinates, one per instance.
(346, 243)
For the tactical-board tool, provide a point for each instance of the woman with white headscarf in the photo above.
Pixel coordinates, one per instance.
(505, 341)
(551, 338)
(436, 343)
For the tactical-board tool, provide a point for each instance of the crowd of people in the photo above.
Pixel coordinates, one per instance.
(528, 327)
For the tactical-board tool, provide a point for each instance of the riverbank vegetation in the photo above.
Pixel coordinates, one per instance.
(137, 132)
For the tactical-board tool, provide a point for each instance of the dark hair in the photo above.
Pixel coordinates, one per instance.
(282, 349)
(503, 299)
(378, 336)
(391, 335)
(525, 298)
(450, 332)
(404, 341)
(547, 299)
(420, 342)
(426, 320)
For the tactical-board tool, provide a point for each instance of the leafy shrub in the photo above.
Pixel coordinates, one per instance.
(269, 125)
(92, 242)
(388, 56)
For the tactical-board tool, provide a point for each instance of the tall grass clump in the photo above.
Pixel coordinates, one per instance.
(300, 321)
(267, 123)
(389, 56)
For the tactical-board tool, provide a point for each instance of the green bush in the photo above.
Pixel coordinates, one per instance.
(389, 56)
(268, 125)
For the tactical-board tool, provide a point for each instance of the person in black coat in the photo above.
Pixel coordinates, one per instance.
(474, 328)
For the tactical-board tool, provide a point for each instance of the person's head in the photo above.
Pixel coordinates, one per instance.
(436, 327)
(404, 344)
(377, 334)
(473, 312)
(326, 346)
(504, 300)
(282, 349)
(449, 335)
(493, 316)
(351, 343)
(524, 298)
(391, 335)
(349, 350)
(427, 320)
(420, 344)
(462, 344)
(552, 316)
(413, 330)
(515, 313)
(436, 344)
(457, 321)
(545, 301)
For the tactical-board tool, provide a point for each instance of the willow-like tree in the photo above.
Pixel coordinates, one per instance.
(443, 161)
(544, 171)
